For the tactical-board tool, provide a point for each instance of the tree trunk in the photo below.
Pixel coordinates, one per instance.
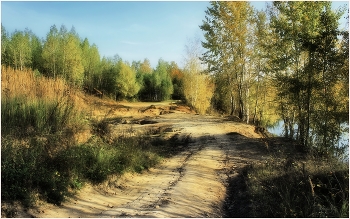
(232, 104)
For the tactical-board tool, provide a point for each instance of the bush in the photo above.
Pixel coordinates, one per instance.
(26, 169)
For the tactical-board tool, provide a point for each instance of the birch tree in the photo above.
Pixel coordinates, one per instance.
(20, 53)
(198, 88)
(228, 27)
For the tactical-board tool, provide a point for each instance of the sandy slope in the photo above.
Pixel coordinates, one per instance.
(190, 184)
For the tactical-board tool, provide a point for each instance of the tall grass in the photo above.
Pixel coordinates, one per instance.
(37, 115)
(32, 104)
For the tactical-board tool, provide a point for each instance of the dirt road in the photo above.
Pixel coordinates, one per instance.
(190, 184)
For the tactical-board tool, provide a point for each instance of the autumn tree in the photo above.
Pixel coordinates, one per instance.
(177, 78)
(228, 28)
(198, 88)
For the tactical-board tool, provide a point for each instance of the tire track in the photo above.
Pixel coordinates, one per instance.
(190, 184)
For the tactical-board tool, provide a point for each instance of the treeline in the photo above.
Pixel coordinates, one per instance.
(64, 54)
(291, 60)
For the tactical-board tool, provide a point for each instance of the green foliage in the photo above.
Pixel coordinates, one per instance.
(161, 81)
(126, 84)
(37, 49)
(307, 65)
(91, 62)
(20, 52)
(119, 79)
(4, 46)
(26, 169)
(228, 32)
(156, 85)
(62, 55)
(108, 75)
(50, 53)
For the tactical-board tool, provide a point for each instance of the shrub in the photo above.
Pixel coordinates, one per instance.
(26, 168)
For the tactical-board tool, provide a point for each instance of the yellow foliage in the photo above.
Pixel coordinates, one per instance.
(198, 90)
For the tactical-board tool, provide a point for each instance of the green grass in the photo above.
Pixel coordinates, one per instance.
(22, 117)
(31, 168)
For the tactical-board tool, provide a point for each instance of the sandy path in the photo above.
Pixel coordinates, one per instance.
(190, 184)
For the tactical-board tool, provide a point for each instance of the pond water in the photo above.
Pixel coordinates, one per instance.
(278, 130)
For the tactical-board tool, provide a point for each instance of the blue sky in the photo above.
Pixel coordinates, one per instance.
(133, 30)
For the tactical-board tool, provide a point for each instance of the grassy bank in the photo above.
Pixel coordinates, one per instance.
(290, 184)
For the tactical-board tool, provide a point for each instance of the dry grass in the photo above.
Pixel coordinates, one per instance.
(17, 83)
(33, 103)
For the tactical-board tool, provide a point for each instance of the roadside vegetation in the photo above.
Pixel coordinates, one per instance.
(40, 159)
(257, 68)
(312, 187)
(288, 184)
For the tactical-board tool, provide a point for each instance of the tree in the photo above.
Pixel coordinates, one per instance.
(197, 88)
(20, 53)
(126, 83)
(4, 46)
(228, 28)
(305, 72)
(261, 32)
(161, 86)
(37, 50)
(51, 52)
(177, 78)
(62, 55)
(71, 56)
(143, 76)
(91, 63)
(108, 74)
